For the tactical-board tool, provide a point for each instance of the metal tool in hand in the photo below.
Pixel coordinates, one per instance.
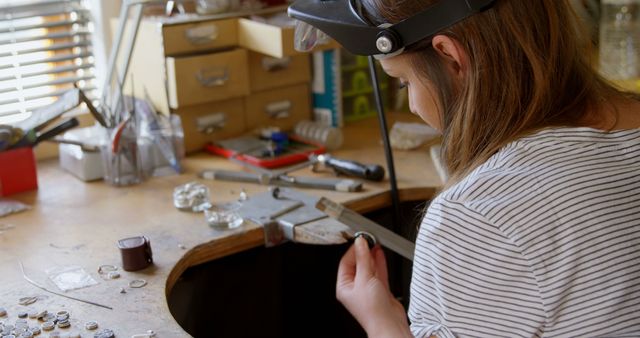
(357, 222)
(280, 178)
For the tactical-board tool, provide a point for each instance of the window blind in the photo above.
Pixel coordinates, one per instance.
(45, 47)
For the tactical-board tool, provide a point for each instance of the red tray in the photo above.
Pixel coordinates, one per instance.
(297, 151)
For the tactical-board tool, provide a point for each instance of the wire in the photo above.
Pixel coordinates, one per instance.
(395, 198)
(24, 275)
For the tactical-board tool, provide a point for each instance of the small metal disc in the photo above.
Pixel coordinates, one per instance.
(113, 275)
(41, 314)
(106, 268)
(49, 317)
(137, 283)
(3, 312)
(55, 334)
(33, 314)
(91, 325)
(105, 333)
(64, 324)
(27, 300)
(35, 330)
(23, 314)
(48, 326)
(19, 330)
(371, 240)
(26, 334)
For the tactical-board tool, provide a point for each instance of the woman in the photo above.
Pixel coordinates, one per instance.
(537, 232)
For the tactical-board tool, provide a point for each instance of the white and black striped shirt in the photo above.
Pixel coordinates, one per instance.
(543, 240)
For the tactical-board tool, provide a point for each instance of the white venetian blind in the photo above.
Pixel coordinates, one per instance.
(45, 47)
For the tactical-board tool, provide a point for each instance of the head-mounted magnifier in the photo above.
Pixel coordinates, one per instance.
(343, 21)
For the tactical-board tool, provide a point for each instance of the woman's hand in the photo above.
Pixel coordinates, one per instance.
(363, 288)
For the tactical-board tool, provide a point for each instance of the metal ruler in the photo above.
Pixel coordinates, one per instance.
(357, 222)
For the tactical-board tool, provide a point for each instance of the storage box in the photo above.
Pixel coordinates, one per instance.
(85, 165)
(17, 171)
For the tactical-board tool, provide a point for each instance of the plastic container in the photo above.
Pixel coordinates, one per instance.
(85, 165)
(620, 39)
(330, 137)
(17, 171)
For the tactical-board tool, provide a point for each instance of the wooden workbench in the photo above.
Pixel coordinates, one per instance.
(77, 223)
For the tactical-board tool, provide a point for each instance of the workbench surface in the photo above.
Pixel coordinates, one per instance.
(73, 223)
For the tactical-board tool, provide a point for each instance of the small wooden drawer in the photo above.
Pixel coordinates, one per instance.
(272, 40)
(281, 107)
(212, 121)
(204, 78)
(266, 72)
(199, 36)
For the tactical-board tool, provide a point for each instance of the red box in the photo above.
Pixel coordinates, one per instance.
(17, 171)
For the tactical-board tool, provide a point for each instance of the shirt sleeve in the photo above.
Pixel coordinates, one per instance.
(469, 279)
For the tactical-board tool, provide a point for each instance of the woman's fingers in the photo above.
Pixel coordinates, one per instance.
(364, 262)
(381, 265)
(347, 268)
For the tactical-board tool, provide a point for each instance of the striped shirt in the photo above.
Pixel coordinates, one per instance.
(542, 240)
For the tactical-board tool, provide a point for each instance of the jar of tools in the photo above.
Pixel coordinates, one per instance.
(121, 156)
(141, 144)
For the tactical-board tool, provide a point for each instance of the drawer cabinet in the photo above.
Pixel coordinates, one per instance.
(218, 76)
(211, 121)
(199, 36)
(269, 39)
(280, 107)
(268, 72)
(209, 77)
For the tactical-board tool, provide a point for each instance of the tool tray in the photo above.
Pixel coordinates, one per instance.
(252, 149)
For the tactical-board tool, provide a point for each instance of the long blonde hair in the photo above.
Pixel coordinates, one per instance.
(530, 68)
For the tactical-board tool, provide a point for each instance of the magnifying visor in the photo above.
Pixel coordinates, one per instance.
(343, 21)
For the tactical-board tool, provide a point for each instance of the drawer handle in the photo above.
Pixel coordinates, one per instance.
(270, 64)
(213, 77)
(201, 35)
(211, 123)
(279, 110)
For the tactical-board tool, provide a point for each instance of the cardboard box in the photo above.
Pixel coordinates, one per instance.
(17, 171)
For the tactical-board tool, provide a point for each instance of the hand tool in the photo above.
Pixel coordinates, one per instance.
(84, 146)
(372, 172)
(94, 112)
(357, 222)
(32, 138)
(56, 130)
(279, 177)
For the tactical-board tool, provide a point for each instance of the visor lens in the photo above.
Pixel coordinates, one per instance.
(306, 37)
